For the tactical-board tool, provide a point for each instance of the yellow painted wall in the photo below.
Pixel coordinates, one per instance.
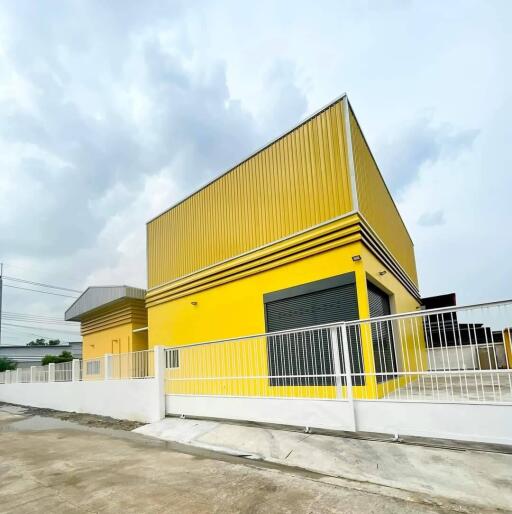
(236, 309)
(411, 353)
(295, 183)
(111, 340)
(377, 206)
(116, 340)
(507, 339)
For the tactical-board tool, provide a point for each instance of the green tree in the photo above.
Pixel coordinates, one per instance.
(53, 342)
(7, 364)
(63, 357)
(37, 342)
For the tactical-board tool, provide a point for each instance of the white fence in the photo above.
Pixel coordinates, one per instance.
(129, 386)
(438, 373)
(123, 366)
(361, 375)
(40, 373)
(63, 371)
(131, 365)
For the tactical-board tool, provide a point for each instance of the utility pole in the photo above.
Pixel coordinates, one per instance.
(1, 282)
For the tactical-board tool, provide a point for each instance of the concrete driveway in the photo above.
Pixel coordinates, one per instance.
(51, 465)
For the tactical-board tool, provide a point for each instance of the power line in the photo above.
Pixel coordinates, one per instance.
(39, 316)
(50, 286)
(39, 291)
(25, 335)
(49, 328)
(43, 321)
(39, 322)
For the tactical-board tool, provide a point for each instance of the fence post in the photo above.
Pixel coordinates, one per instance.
(75, 370)
(8, 376)
(32, 374)
(159, 356)
(336, 360)
(107, 364)
(51, 372)
(18, 375)
(348, 373)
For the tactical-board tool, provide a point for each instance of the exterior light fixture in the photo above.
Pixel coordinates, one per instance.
(383, 272)
(356, 258)
(193, 303)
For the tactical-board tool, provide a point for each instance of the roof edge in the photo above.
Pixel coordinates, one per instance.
(250, 156)
(78, 317)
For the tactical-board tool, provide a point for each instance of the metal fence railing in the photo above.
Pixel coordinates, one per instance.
(23, 375)
(461, 354)
(293, 364)
(64, 371)
(139, 364)
(40, 373)
(132, 365)
(445, 355)
(92, 369)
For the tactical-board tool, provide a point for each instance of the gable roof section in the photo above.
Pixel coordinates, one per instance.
(95, 297)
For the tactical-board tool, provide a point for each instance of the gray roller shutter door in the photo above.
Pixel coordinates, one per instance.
(382, 334)
(299, 358)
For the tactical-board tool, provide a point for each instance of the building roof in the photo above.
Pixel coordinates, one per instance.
(20, 354)
(95, 297)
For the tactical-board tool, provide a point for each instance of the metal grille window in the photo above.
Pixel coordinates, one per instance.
(382, 335)
(306, 357)
(172, 358)
(93, 367)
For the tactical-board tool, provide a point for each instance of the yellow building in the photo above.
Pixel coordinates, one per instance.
(302, 232)
(113, 320)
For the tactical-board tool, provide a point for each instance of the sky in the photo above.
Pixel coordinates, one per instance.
(112, 111)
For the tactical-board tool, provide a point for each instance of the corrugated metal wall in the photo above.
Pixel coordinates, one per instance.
(127, 311)
(377, 206)
(297, 182)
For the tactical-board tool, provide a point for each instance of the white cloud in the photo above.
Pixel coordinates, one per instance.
(111, 111)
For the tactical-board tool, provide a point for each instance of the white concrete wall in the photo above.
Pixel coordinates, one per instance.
(488, 423)
(329, 414)
(465, 422)
(136, 400)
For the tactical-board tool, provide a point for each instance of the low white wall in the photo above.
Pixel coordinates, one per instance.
(136, 399)
(465, 422)
(329, 414)
(489, 423)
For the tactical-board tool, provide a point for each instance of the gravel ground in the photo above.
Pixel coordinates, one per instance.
(88, 420)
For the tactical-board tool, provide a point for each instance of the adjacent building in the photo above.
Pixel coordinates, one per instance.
(112, 319)
(26, 356)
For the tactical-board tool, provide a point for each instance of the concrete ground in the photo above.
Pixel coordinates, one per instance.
(468, 386)
(437, 471)
(60, 466)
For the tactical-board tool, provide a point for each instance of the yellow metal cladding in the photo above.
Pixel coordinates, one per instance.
(236, 308)
(297, 182)
(377, 206)
(110, 329)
